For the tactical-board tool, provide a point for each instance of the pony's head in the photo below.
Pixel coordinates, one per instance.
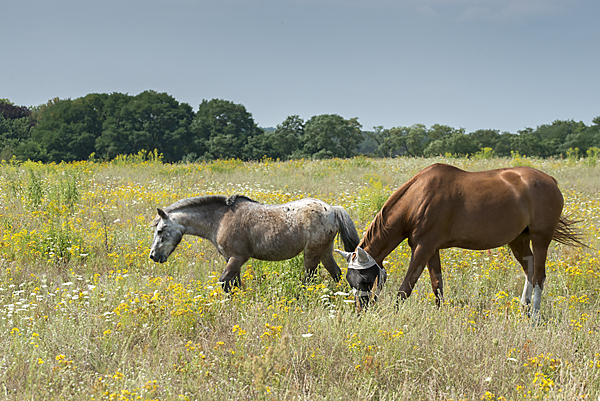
(364, 275)
(167, 236)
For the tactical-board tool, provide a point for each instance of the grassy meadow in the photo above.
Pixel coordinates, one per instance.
(85, 314)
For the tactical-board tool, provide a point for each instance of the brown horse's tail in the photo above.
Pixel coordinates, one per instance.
(347, 229)
(566, 233)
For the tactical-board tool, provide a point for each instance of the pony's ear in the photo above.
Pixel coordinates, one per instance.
(163, 215)
(346, 255)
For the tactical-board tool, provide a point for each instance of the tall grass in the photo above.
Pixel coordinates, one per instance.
(85, 314)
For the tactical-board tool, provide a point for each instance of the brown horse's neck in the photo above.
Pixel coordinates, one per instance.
(381, 238)
(390, 226)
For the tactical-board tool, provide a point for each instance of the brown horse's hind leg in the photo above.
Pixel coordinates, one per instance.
(420, 256)
(540, 245)
(522, 251)
(434, 265)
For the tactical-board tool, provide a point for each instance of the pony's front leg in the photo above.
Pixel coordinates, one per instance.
(231, 274)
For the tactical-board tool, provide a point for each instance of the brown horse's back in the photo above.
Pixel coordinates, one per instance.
(479, 210)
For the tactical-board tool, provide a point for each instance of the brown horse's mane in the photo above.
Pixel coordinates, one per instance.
(379, 225)
(208, 200)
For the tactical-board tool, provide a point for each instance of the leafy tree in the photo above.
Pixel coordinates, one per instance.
(15, 127)
(11, 112)
(330, 135)
(66, 130)
(595, 131)
(379, 136)
(38, 111)
(367, 145)
(438, 131)
(504, 145)
(554, 136)
(116, 127)
(108, 125)
(148, 121)
(223, 129)
(416, 140)
(559, 136)
(259, 146)
(113, 124)
(446, 139)
(463, 144)
(528, 143)
(485, 138)
(287, 137)
(390, 142)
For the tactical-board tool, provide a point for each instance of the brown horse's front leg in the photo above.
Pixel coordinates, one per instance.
(420, 256)
(231, 274)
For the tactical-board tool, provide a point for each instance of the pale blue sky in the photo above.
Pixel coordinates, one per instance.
(499, 64)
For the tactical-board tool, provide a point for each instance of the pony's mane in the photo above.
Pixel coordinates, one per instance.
(207, 200)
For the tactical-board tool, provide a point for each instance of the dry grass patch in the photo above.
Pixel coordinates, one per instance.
(85, 314)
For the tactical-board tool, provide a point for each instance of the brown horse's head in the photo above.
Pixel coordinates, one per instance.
(364, 275)
(167, 236)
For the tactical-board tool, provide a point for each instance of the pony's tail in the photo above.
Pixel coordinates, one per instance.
(566, 234)
(346, 229)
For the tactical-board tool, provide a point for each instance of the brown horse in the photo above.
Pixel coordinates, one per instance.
(443, 207)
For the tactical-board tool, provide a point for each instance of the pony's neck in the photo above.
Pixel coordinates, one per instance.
(203, 224)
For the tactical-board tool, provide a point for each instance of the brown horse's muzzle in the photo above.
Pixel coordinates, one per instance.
(368, 283)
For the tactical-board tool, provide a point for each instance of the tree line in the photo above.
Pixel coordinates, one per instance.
(102, 126)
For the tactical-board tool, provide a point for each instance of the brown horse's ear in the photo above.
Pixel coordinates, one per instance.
(162, 214)
(363, 257)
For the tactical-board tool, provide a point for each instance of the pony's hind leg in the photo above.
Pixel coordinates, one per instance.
(231, 274)
(311, 262)
(332, 267)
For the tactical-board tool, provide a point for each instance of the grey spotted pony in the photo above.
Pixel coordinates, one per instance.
(241, 228)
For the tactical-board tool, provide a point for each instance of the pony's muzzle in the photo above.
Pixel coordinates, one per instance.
(157, 258)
